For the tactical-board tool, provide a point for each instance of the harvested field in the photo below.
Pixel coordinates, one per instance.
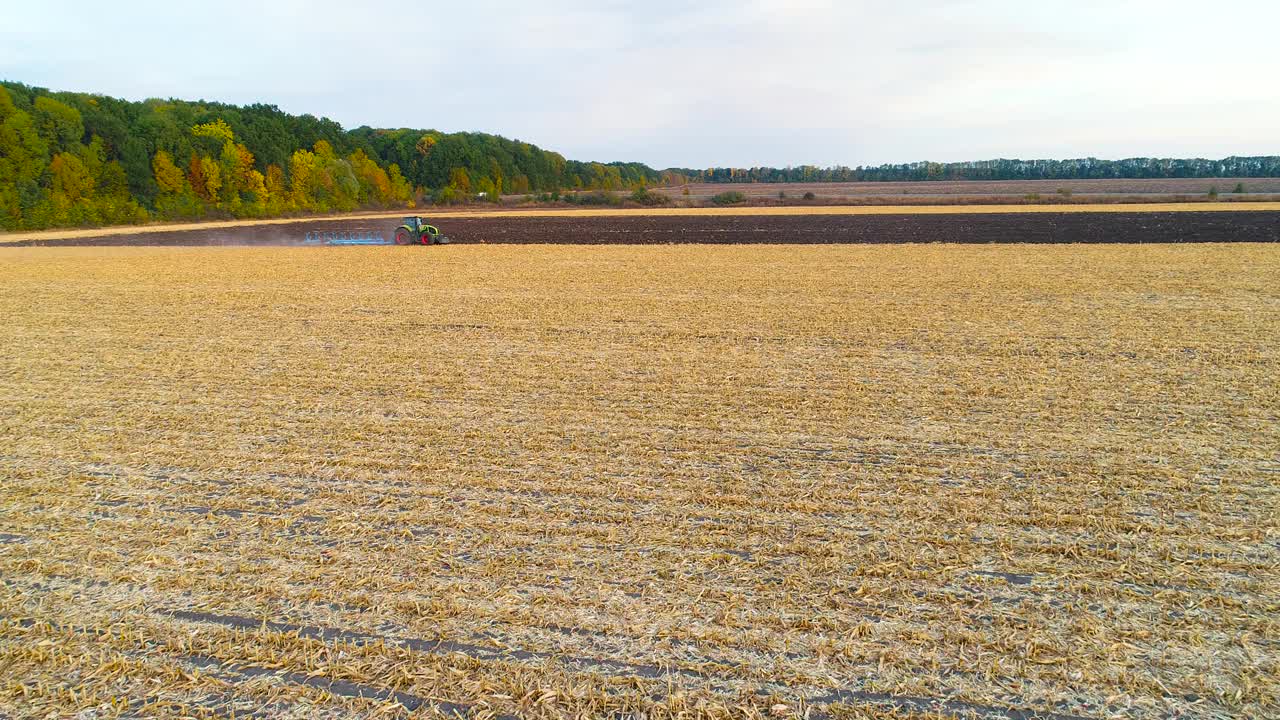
(801, 226)
(678, 481)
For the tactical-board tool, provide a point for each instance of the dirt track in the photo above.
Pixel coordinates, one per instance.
(1039, 227)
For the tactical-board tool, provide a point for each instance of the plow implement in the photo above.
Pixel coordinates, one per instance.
(345, 238)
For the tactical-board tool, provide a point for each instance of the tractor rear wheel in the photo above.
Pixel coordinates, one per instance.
(402, 237)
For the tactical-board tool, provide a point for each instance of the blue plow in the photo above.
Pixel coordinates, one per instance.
(345, 238)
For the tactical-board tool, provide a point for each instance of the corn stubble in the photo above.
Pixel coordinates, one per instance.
(554, 482)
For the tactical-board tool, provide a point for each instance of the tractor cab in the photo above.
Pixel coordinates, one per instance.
(416, 231)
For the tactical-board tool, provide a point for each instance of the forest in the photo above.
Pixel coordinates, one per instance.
(75, 159)
(80, 159)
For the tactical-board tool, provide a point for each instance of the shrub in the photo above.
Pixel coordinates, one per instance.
(1239, 189)
(548, 197)
(732, 197)
(1031, 196)
(1064, 192)
(1213, 193)
(782, 194)
(810, 196)
(650, 199)
(599, 197)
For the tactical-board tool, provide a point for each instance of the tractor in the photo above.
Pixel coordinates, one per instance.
(416, 231)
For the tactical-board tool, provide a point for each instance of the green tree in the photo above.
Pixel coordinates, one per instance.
(59, 124)
(24, 155)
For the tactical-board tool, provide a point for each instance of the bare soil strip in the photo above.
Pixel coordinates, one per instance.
(765, 228)
(363, 218)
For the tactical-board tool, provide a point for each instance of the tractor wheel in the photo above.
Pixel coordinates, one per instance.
(402, 237)
(425, 239)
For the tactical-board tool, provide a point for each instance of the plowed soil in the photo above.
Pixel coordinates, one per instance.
(1040, 227)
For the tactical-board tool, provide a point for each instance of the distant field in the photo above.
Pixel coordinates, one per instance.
(976, 189)
(911, 481)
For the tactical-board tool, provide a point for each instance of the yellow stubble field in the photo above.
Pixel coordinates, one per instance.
(646, 481)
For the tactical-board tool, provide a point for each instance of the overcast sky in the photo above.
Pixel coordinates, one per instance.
(696, 84)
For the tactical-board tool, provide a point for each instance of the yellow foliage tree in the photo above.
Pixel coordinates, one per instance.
(302, 172)
(71, 179)
(460, 181)
(401, 192)
(169, 177)
(212, 173)
(277, 192)
(255, 182)
(217, 130)
(375, 184)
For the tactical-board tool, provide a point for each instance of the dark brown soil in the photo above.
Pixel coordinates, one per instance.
(1135, 227)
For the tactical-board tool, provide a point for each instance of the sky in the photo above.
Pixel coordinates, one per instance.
(701, 84)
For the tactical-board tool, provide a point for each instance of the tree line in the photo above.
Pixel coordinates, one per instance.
(71, 159)
(1076, 169)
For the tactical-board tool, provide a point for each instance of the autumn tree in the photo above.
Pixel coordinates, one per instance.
(375, 184)
(211, 171)
(277, 190)
(168, 176)
(460, 181)
(401, 192)
(175, 198)
(195, 176)
(218, 131)
(303, 169)
(70, 181)
(23, 159)
(425, 144)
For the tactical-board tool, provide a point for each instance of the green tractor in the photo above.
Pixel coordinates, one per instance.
(416, 231)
